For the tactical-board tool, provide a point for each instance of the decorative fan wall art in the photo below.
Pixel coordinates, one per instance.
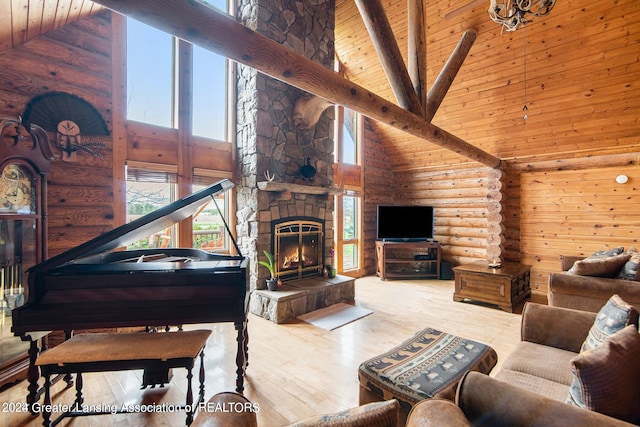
(71, 117)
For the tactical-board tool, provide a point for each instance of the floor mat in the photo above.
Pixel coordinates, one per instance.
(334, 316)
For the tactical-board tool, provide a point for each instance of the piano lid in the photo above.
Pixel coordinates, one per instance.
(140, 228)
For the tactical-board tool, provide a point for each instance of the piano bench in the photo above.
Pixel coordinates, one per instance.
(102, 352)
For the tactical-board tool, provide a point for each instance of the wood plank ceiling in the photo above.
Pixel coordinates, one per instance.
(581, 85)
(582, 71)
(23, 20)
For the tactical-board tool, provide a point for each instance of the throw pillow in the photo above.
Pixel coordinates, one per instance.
(613, 317)
(600, 266)
(606, 378)
(630, 270)
(376, 414)
(607, 253)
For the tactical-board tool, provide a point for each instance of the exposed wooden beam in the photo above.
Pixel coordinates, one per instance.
(205, 27)
(384, 41)
(448, 73)
(417, 50)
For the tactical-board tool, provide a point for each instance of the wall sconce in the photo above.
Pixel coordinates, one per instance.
(622, 179)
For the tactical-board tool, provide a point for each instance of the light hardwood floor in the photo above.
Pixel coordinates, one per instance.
(295, 370)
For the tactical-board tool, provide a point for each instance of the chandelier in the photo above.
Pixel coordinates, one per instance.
(513, 13)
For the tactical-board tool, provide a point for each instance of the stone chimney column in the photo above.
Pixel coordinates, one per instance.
(266, 137)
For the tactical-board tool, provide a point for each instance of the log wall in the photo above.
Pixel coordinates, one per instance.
(74, 59)
(459, 198)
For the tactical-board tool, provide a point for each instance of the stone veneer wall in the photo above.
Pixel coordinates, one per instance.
(266, 138)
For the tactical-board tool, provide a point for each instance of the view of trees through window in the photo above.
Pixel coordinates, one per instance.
(209, 232)
(144, 198)
(349, 232)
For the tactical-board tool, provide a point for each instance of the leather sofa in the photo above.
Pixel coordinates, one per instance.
(588, 293)
(533, 384)
(550, 338)
(484, 401)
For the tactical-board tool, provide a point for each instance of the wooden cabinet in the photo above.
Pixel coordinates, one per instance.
(505, 287)
(408, 260)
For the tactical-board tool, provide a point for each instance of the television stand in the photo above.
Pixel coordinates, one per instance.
(408, 260)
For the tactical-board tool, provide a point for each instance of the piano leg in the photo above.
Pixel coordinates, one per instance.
(37, 344)
(242, 355)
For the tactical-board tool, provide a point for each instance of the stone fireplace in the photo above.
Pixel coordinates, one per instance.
(284, 167)
(272, 152)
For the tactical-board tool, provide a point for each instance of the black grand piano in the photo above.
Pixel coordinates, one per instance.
(96, 286)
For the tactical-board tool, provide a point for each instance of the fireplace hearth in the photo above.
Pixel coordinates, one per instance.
(298, 247)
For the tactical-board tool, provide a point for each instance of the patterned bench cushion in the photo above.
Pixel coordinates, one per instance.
(431, 362)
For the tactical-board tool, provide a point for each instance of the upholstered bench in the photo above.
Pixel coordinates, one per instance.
(430, 363)
(101, 352)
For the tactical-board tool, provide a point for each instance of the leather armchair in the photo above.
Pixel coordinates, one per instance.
(484, 401)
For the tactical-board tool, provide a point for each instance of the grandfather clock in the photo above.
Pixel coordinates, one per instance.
(25, 157)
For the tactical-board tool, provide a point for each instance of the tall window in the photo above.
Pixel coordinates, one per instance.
(350, 232)
(162, 74)
(209, 115)
(348, 144)
(149, 74)
(348, 206)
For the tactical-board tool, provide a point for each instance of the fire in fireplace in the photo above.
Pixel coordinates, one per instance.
(297, 244)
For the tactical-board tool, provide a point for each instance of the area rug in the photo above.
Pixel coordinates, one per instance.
(334, 316)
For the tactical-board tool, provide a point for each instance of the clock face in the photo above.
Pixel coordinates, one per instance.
(16, 190)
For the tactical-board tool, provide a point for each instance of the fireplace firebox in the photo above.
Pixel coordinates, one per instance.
(298, 247)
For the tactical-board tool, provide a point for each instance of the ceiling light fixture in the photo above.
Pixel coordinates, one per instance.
(513, 13)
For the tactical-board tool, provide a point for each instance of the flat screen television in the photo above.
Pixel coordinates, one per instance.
(405, 223)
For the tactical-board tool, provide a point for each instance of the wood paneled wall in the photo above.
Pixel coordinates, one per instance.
(576, 212)
(74, 59)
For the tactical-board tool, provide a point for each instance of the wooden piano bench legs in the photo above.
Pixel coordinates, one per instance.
(103, 352)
